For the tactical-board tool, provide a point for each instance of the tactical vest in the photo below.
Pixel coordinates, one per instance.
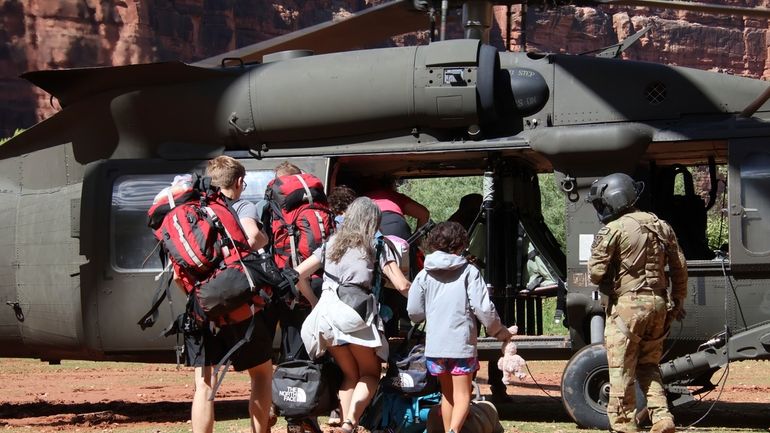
(643, 265)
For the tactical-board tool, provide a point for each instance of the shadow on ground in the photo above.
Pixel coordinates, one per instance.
(529, 408)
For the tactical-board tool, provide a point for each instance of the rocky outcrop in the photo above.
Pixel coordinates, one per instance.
(53, 34)
(736, 45)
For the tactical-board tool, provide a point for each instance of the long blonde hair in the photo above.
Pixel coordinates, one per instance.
(362, 220)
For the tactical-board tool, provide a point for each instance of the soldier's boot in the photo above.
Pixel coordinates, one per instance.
(665, 425)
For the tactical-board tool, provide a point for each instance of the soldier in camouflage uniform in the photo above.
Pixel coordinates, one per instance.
(628, 260)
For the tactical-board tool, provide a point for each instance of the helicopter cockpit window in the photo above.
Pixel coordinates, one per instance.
(133, 245)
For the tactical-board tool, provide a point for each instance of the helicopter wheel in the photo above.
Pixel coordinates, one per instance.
(585, 388)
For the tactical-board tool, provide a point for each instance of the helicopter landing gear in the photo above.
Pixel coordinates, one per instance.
(585, 388)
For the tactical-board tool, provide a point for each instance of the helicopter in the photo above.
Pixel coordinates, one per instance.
(78, 265)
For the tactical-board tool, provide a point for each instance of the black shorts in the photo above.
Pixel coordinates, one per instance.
(203, 348)
(394, 224)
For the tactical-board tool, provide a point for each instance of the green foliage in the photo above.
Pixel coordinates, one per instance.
(15, 133)
(551, 327)
(553, 207)
(441, 195)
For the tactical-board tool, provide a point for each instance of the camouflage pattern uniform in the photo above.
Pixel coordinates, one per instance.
(628, 260)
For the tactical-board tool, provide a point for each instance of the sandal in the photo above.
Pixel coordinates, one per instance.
(346, 427)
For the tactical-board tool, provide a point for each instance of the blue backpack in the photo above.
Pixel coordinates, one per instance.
(398, 413)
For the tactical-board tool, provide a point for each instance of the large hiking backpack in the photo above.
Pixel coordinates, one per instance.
(206, 246)
(202, 238)
(299, 217)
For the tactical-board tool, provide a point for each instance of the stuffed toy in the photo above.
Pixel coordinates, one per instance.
(510, 363)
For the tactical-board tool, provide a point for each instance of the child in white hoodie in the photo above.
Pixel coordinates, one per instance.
(449, 294)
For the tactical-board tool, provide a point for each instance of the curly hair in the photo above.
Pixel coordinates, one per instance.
(362, 219)
(449, 237)
(340, 198)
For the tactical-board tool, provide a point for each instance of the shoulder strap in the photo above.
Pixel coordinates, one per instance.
(308, 194)
(377, 278)
(164, 278)
(226, 361)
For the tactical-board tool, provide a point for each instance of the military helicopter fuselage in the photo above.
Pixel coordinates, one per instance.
(78, 264)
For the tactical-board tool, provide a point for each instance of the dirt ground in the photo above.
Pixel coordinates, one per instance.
(101, 397)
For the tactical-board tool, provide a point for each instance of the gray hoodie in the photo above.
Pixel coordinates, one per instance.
(447, 294)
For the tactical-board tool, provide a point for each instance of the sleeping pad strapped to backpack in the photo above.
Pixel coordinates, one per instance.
(209, 251)
(300, 219)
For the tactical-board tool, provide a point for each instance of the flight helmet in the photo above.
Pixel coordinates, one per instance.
(613, 195)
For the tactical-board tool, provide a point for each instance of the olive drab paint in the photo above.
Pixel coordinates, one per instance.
(78, 269)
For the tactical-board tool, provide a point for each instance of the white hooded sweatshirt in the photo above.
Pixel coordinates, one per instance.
(447, 294)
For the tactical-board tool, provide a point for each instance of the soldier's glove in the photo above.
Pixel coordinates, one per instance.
(677, 312)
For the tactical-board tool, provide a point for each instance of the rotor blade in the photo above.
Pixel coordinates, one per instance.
(70, 85)
(756, 104)
(362, 28)
(691, 6)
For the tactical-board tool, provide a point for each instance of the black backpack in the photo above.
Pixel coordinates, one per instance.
(409, 375)
(306, 388)
(407, 371)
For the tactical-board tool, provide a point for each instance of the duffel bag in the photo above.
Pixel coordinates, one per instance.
(306, 388)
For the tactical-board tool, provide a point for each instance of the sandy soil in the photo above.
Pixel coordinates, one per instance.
(91, 397)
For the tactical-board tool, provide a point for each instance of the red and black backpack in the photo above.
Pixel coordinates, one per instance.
(300, 220)
(201, 237)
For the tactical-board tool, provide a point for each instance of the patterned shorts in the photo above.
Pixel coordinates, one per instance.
(453, 366)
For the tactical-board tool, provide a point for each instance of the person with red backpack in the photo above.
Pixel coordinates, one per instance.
(297, 216)
(205, 347)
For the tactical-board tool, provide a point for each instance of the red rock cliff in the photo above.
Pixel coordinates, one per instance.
(51, 34)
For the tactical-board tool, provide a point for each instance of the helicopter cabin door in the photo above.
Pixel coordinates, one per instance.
(125, 282)
(749, 203)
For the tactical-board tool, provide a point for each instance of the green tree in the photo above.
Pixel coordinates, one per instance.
(442, 195)
(553, 207)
